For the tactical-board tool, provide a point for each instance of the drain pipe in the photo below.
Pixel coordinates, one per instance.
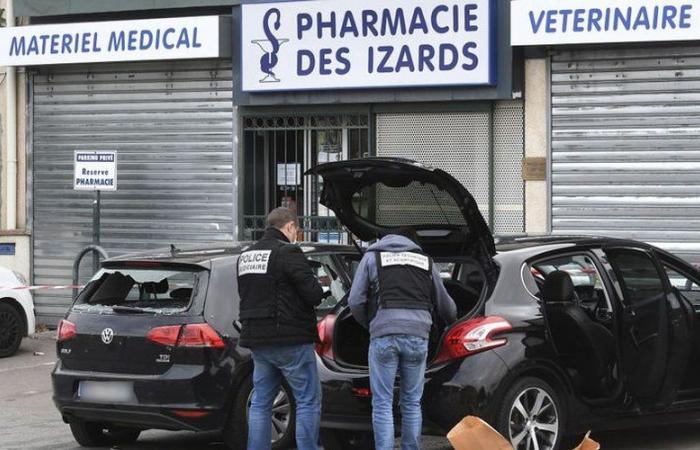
(11, 130)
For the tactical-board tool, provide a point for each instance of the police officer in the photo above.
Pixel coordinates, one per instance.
(278, 293)
(396, 287)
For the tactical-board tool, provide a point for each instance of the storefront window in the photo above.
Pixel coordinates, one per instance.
(277, 153)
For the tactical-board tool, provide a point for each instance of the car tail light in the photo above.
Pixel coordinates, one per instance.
(165, 335)
(472, 336)
(325, 334)
(66, 331)
(200, 335)
(197, 335)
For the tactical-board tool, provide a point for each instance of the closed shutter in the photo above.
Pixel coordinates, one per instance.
(171, 124)
(482, 150)
(626, 147)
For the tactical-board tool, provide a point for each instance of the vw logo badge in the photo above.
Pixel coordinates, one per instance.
(107, 335)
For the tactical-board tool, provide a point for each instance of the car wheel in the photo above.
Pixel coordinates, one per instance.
(532, 415)
(283, 418)
(92, 434)
(11, 331)
(346, 440)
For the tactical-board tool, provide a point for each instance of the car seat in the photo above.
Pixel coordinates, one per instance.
(584, 345)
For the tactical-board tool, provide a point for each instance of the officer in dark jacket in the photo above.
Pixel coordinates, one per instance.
(278, 292)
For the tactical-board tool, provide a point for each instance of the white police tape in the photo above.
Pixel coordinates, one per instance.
(34, 288)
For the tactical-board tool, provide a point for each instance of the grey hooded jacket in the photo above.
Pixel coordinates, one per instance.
(394, 321)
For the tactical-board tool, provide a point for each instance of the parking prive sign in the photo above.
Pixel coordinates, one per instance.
(336, 44)
(95, 171)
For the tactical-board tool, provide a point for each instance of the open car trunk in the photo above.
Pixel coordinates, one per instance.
(464, 281)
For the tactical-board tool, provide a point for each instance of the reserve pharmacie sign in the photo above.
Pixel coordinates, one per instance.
(557, 22)
(336, 44)
(95, 170)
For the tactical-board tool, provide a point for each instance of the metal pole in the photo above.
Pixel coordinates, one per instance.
(96, 232)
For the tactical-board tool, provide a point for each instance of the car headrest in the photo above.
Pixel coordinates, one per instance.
(558, 288)
(152, 287)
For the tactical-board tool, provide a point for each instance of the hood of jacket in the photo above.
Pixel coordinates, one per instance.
(394, 243)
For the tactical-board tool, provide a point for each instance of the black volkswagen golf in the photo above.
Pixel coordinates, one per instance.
(556, 335)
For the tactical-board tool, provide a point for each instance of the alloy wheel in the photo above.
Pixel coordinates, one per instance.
(281, 414)
(9, 330)
(533, 420)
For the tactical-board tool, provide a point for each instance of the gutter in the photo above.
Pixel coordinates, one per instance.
(11, 132)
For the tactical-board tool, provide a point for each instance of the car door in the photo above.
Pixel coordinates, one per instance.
(653, 327)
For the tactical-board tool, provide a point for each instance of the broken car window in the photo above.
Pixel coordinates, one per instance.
(140, 290)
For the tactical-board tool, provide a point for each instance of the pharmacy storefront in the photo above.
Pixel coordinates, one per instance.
(155, 93)
(325, 81)
(624, 115)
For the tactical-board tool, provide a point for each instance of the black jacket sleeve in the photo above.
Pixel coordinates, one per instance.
(297, 269)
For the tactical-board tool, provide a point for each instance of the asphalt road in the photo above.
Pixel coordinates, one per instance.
(28, 419)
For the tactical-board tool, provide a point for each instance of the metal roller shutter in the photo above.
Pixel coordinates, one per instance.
(626, 147)
(171, 124)
(483, 150)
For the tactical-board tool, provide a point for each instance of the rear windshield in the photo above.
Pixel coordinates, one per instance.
(415, 204)
(162, 291)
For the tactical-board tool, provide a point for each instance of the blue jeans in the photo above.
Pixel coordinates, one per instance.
(387, 355)
(297, 364)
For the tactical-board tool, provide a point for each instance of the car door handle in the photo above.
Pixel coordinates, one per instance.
(629, 315)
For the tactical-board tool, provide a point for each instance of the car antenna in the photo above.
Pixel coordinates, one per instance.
(354, 242)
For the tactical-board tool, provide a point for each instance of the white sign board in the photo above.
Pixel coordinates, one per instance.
(124, 40)
(337, 44)
(288, 174)
(554, 22)
(95, 171)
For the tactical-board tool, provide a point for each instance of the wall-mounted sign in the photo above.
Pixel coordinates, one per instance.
(289, 174)
(553, 22)
(336, 44)
(95, 171)
(124, 40)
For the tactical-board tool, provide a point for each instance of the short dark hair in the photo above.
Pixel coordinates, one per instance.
(279, 217)
(407, 232)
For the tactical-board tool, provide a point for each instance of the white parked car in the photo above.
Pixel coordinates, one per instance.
(16, 312)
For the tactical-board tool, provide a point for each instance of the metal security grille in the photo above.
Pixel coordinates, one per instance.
(626, 147)
(508, 150)
(171, 124)
(482, 150)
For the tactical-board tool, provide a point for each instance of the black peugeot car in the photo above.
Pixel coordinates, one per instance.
(556, 335)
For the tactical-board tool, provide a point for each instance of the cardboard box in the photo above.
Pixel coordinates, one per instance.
(473, 433)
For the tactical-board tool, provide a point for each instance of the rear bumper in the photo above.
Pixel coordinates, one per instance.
(452, 391)
(182, 388)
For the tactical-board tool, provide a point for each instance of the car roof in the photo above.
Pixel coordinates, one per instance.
(199, 254)
(522, 244)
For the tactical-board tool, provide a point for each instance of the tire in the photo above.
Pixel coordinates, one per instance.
(236, 432)
(92, 434)
(547, 424)
(11, 330)
(346, 440)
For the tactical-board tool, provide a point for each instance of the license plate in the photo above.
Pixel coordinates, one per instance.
(106, 391)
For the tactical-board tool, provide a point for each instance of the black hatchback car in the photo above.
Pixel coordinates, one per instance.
(152, 342)
(556, 335)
